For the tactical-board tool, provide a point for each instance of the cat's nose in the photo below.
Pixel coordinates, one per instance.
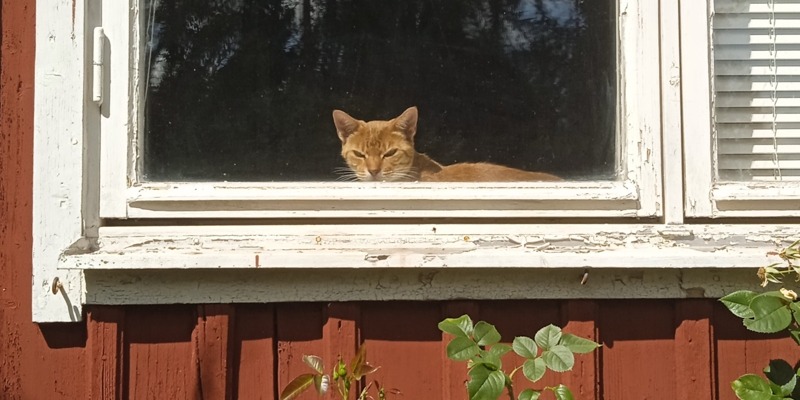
(374, 172)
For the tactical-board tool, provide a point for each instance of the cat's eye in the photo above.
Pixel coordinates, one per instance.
(359, 154)
(390, 153)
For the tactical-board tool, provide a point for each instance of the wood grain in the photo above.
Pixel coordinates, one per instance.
(105, 327)
(36, 361)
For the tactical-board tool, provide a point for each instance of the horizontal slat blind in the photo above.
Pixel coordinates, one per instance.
(757, 89)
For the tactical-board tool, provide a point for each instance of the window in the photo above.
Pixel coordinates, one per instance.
(753, 91)
(243, 91)
(199, 137)
(227, 113)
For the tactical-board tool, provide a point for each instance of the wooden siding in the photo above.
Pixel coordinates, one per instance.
(652, 349)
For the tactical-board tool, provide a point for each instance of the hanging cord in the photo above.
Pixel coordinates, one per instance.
(773, 49)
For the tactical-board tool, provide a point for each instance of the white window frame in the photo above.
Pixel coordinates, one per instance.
(102, 238)
(706, 195)
(636, 193)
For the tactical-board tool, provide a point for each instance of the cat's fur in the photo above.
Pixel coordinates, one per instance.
(384, 151)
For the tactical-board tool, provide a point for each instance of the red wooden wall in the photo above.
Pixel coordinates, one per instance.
(653, 349)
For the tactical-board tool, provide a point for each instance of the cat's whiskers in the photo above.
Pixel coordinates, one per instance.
(403, 175)
(346, 174)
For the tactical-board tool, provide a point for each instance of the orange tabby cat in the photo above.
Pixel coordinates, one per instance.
(384, 151)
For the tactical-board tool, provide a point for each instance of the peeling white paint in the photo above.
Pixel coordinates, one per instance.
(318, 262)
(414, 246)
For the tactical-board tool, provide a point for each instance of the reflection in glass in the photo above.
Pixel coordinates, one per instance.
(243, 90)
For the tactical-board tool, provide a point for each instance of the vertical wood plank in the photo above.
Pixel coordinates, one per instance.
(299, 328)
(638, 355)
(580, 318)
(694, 349)
(454, 374)
(731, 357)
(212, 350)
(105, 327)
(254, 352)
(160, 353)
(403, 339)
(340, 333)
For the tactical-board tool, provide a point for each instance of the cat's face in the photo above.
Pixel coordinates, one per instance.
(378, 150)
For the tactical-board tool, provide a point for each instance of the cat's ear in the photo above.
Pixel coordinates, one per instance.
(345, 124)
(407, 122)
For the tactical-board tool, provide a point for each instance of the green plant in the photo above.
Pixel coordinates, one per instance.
(479, 345)
(770, 312)
(345, 376)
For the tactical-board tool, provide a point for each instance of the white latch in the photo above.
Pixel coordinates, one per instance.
(98, 54)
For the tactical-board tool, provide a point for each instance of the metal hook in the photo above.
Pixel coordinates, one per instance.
(57, 286)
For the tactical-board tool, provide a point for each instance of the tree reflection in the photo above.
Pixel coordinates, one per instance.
(243, 90)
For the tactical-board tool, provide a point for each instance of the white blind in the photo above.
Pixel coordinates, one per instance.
(757, 89)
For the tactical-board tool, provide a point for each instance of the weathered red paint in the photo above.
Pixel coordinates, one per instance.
(694, 350)
(255, 354)
(36, 362)
(638, 354)
(652, 349)
(104, 342)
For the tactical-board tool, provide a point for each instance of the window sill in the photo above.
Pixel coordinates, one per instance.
(257, 264)
(429, 246)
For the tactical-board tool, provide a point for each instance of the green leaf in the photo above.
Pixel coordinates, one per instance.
(485, 384)
(460, 327)
(562, 393)
(485, 334)
(780, 373)
(752, 387)
(534, 369)
(462, 349)
(525, 347)
(548, 336)
(558, 358)
(771, 314)
(529, 394)
(359, 366)
(577, 344)
(322, 383)
(358, 361)
(739, 303)
(491, 360)
(296, 386)
(795, 307)
(494, 354)
(795, 334)
(314, 362)
(500, 349)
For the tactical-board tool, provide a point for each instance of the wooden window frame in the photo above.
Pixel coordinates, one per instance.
(636, 193)
(98, 233)
(706, 195)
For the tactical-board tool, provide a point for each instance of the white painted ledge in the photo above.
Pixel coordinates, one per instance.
(327, 262)
(386, 284)
(483, 246)
(384, 200)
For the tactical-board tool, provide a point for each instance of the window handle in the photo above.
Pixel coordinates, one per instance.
(98, 55)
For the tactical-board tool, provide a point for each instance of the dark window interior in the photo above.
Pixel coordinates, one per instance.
(242, 90)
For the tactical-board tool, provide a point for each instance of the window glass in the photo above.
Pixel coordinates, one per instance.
(243, 90)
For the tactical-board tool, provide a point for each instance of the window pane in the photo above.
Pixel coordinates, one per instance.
(243, 90)
(757, 90)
